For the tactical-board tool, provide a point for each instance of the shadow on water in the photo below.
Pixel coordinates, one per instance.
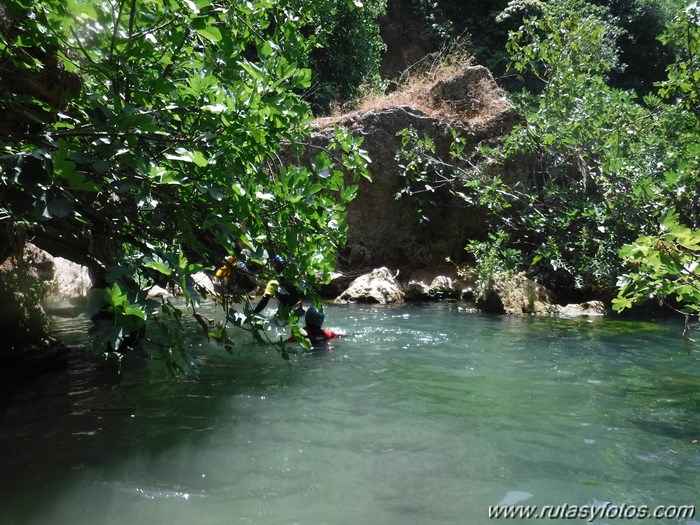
(60, 425)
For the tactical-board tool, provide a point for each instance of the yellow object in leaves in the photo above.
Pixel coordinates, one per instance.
(225, 271)
(272, 287)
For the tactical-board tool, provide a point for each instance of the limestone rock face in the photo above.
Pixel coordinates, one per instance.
(58, 285)
(386, 231)
(378, 286)
(23, 280)
(26, 348)
(69, 286)
(10, 309)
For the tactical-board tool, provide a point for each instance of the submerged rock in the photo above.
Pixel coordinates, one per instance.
(587, 309)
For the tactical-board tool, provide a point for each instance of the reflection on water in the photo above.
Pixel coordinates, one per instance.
(421, 415)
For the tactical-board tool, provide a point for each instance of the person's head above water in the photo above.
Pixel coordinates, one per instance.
(279, 262)
(314, 317)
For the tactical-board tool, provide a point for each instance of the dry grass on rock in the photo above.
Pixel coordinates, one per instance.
(444, 85)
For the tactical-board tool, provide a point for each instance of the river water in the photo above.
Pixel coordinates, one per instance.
(422, 415)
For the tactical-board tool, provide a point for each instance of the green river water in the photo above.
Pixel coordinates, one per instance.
(422, 415)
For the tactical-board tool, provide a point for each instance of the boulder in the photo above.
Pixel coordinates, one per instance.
(516, 295)
(378, 286)
(204, 280)
(443, 287)
(440, 282)
(158, 292)
(417, 291)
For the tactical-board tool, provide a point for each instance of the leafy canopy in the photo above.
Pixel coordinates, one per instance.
(169, 158)
(665, 264)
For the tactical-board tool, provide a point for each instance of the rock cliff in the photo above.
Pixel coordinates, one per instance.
(384, 231)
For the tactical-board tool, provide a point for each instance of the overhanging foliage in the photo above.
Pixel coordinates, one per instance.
(168, 158)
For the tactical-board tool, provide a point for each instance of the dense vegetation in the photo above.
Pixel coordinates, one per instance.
(639, 23)
(161, 149)
(612, 179)
(608, 166)
(162, 154)
(349, 56)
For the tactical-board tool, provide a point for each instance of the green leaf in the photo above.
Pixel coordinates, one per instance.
(670, 220)
(266, 49)
(620, 303)
(194, 156)
(211, 33)
(199, 159)
(256, 74)
(134, 310)
(158, 264)
(164, 176)
(192, 6)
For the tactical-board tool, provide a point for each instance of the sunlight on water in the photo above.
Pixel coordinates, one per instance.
(420, 415)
